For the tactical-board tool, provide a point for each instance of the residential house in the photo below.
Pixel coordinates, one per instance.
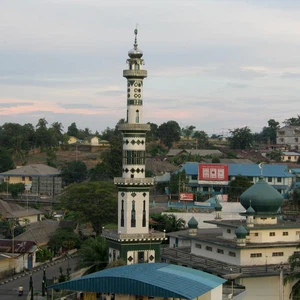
(15, 256)
(290, 156)
(91, 140)
(288, 137)
(38, 178)
(25, 215)
(200, 152)
(72, 140)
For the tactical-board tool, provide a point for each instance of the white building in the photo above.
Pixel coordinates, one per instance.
(253, 251)
(288, 137)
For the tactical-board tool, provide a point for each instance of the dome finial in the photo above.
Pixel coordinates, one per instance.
(135, 39)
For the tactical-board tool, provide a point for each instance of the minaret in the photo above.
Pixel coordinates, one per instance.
(133, 241)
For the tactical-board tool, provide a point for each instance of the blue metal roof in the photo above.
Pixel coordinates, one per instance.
(253, 170)
(152, 280)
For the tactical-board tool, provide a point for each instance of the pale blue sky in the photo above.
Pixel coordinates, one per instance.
(214, 64)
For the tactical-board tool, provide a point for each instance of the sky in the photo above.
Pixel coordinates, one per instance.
(214, 64)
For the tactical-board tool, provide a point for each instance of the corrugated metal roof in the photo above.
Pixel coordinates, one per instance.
(191, 168)
(33, 170)
(152, 280)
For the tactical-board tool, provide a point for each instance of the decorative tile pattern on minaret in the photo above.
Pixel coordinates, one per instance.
(133, 241)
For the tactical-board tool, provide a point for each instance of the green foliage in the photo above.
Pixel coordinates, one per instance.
(294, 197)
(215, 160)
(16, 189)
(294, 275)
(51, 157)
(294, 121)
(275, 155)
(43, 255)
(10, 228)
(169, 133)
(94, 202)
(116, 263)
(93, 254)
(73, 130)
(64, 239)
(151, 136)
(237, 186)
(167, 222)
(202, 140)
(241, 138)
(155, 149)
(178, 181)
(268, 134)
(188, 131)
(75, 171)
(6, 162)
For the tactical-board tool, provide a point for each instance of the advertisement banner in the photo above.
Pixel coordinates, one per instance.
(186, 196)
(212, 172)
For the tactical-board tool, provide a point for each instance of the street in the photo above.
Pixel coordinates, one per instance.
(9, 291)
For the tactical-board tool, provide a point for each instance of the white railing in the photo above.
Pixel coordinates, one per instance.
(134, 181)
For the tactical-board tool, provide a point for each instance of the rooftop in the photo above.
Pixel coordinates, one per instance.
(32, 170)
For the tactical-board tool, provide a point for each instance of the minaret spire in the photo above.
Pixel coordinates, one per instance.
(135, 39)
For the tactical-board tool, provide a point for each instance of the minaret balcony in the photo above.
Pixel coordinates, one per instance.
(134, 181)
(135, 73)
(134, 127)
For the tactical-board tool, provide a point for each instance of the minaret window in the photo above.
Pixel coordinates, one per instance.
(133, 220)
(137, 116)
(137, 66)
(122, 214)
(132, 157)
(144, 214)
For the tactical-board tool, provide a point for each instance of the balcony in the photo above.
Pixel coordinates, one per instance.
(134, 127)
(135, 73)
(134, 181)
(151, 236)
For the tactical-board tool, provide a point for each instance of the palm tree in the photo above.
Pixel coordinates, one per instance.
(294, 275)
(92, 254)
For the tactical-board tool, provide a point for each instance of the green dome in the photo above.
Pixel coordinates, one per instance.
(241, 232)
(250, 211)
(218, 206)
(263, 198)
(192, 223)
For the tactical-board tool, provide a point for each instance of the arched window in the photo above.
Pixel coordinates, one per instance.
(137, 116)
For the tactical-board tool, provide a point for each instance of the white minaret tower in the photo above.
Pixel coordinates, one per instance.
(133, 241)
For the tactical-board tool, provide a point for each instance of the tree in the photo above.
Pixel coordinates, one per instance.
(294, 275)
(169, 133)
(6, 162)
(167, 222)
(51, 157)
(202, 139)
(94, 202)
(178, 181)
(93, 254)
(294, 197)
(237, 186)
(75, 171)
(73, 130)
(56, 131)
(295, 121)
(268, 134)
(151, 136)
(188, 131)
(43, 137)
(58, 240)
(275, 155)
(241, 138)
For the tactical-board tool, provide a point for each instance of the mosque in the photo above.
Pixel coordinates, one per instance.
(252, 253)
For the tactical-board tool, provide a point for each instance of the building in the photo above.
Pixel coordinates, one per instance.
(132, 241)
(148, 281)
(38, 178)
(253, 251)
(290, 156)
(207, 179)
(200, 152)
(15, 256)
(288, 137)
(10, 210)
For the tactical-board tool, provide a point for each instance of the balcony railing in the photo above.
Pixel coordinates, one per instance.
(134, 181)
(131, 127)
(135, 73)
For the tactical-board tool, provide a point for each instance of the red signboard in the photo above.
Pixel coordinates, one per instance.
(186, 197)
(212, 172)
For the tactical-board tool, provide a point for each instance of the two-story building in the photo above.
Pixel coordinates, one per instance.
(213, 179)
(252, 252)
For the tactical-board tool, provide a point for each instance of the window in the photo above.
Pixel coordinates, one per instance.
(198, 246)
(30, 178)
(122, 213)
(281, 132)
(230, 253)
(208, 248)
(285, 233)
(205, 189)
(255, 255)
(296, 252)
(144, 214)
(194, 177)
(221, 251)
(228, 230)
(270, 179)
(23, 178)
(297, 232)
(272, 234)
(256, 234)
(277, 254)
(279, 179)
(133, 219)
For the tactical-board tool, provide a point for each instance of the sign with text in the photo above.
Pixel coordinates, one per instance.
(186, 196)
(212, 172)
